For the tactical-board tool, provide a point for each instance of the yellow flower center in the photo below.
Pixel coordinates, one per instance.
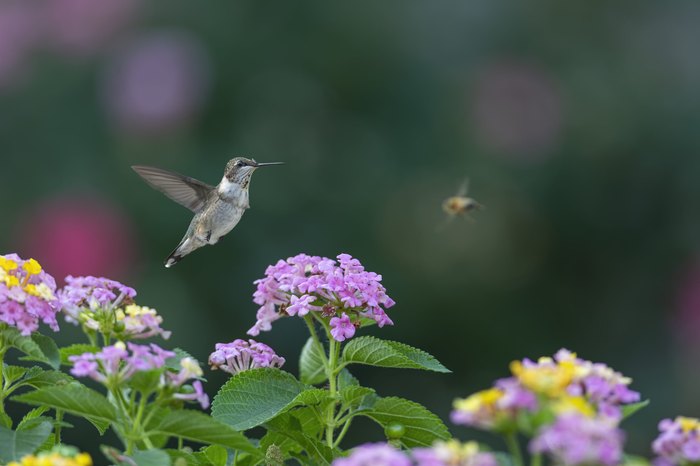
(547, 378)
(7, 264)
(688, 423)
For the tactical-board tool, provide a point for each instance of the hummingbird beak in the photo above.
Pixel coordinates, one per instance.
(257, 164)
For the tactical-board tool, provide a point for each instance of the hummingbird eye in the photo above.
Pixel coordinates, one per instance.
(239, 164)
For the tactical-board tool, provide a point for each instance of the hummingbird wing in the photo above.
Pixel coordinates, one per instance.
(182, 189)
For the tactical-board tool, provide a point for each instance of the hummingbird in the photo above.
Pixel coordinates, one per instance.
(217, 209)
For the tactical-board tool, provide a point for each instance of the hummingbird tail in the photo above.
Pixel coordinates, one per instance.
(176, 255)
(172, 259)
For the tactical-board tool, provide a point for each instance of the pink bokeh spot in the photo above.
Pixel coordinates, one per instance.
(77, 236)
(688, 306)
(83, 27)
(157, 84)
(20, 29)
(517, 110)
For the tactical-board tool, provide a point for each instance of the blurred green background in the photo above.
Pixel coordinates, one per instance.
(576, 122)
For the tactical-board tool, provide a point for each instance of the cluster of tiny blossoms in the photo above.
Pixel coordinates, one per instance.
(451, 453)
(582, 399)
(678, 442)
(241, 355)
(58, 456)
(341, 290)
(116, 364)
(106, 306)
(27, 295)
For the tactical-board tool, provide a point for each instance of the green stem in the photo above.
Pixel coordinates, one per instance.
(342, 433)
(514, 448)
(332, 387)
(59, 422)
(536, 459)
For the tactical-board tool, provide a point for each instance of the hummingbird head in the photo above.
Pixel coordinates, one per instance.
(240, 169)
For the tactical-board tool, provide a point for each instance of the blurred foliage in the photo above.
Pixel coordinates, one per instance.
(576, 124)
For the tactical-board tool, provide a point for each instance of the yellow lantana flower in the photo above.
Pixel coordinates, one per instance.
(547, 378)
(7, 264)
(573, 404)
(32, 267)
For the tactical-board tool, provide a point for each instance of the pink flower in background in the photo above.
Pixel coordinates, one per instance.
(517, 110)
(84, 27)
(20, 29)
(77, 236)
(157, 84)
(688, 302)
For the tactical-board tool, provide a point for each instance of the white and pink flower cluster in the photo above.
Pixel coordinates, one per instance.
(241, 355)
(341, 290)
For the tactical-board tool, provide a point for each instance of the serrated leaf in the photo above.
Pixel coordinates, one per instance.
(289, 426)
(31, 416)
(630, 409)
(422, 427)
(253, 397)
(16, 444)
(31, 347)
(373, 351)
(76, 350)
(355, 397)
(198, 427)
(151, 458)
(12, 373)
(41, 378)
(308, 423)
(346, 379)
(216, 455)
(75, 399)
(48, 348)
(311, 368)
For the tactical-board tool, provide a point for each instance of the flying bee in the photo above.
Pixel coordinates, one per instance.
(460, 204)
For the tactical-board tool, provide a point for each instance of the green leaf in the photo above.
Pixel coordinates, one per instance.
(346, 379)
(630, 409)
(32, 346)
(76, 399)
(253, 397)
(76, 350)
(39, 378)
(146, 381)
(422, 427)
(184, 457)
(308, 423)
(383, 353)
(16, 444)
(356, 397)
(48, 348)
(5, 420)
(289, 426)
(31, 416)
(198, 427)
(12, 373)
(311, 368)
(216, 455)
(151, 458)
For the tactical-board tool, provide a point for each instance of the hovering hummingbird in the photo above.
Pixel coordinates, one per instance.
(217, 209)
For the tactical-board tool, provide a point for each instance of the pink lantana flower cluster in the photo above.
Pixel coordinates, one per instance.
(341, 290)
(27, 295)
(241, 355)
